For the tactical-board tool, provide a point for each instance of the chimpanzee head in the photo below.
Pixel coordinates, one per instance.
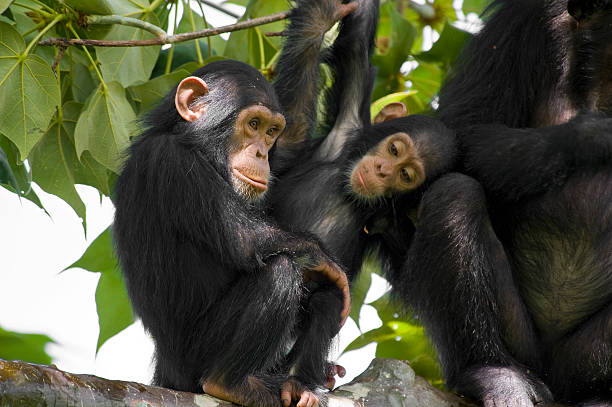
(231, 112)
(397, 154)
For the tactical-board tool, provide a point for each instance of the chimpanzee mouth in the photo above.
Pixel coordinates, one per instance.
(259, 184)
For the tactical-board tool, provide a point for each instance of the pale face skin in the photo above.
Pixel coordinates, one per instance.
(257, 128)
(392, 166)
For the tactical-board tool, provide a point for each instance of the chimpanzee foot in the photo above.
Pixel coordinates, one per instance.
(504, 387)
(294, 390)
(254, 393)
(333, 370)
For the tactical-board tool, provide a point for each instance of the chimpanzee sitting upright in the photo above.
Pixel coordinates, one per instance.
(510, 269)
(219, 287)
(343, 180)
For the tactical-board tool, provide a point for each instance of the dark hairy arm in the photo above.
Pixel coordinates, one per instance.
(517, 163)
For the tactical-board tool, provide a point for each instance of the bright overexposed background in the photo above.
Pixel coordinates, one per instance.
(37, 296)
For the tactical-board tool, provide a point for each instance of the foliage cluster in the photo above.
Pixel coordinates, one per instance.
(68, 113)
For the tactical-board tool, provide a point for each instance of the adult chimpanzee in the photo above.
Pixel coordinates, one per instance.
(511, 265)
(219, 287)
(343, 180)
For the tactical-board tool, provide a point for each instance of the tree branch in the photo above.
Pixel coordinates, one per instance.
(170, 39)
(387, 382)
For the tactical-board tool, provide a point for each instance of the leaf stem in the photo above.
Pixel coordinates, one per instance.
(43, 5)
(91, 60)
(129, 21)
(206, 26)
(218, 8)
(32, 43)
(192, 22)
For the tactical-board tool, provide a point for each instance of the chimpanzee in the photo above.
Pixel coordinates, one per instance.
(222, 290)
(510, 269)
(336, 186)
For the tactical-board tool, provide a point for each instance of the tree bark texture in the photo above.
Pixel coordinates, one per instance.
(386, 382)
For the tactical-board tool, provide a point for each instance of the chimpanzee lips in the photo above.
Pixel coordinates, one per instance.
(257, 183)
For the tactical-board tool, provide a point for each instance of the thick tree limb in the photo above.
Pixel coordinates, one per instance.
(387, 382)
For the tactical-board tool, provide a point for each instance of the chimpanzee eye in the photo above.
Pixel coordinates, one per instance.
(254, 123)
(405, 175)
(393, 149)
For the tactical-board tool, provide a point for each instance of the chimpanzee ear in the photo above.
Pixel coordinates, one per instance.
(187, 93)
(392, 111)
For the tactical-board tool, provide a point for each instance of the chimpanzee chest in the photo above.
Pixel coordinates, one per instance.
(562, 253)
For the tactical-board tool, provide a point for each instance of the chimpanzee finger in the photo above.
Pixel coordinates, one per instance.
(286, 393)
(344, 10)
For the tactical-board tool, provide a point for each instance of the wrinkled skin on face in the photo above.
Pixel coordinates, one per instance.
(256, 130)
(392, 166)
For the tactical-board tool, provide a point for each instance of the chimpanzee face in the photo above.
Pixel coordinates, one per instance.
(256, 131)
(391, 166)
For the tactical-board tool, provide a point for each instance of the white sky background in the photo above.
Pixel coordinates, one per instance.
(36, 298)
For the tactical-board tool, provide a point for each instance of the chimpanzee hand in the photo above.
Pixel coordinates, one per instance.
(330, 271)
(321, 15)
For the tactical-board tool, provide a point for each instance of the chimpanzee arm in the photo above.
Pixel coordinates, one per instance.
(347, 101)
(296, 83)
(513, 164)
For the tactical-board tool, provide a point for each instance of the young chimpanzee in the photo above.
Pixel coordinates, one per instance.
(510, 269)
(335, 185)
(222, 290)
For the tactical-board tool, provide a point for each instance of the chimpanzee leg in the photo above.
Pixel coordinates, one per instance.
(260, 312)
(459, 281)
(580, 362)
(319, 323)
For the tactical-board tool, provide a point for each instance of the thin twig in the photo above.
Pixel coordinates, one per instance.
(171, 39)
(219, 8)
(60, 55)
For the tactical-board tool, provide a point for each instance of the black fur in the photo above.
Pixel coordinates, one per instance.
(314, 195)
(511, 265)
(218, 286)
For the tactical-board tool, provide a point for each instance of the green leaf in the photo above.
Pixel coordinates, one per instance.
(4, 4)
(251, 39)
(28, 90)
(192, 21)
(402, 34)
(104, 127)
(6, 172)
(475, 6)
(113, 305)
(83, 82)
(128, 65)
(25, 347)
(150, 93)
(448, 46)
(378, 105)
(91, 6)
(359, 290)
(387, 309)
(56, 167)
(23, 177)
